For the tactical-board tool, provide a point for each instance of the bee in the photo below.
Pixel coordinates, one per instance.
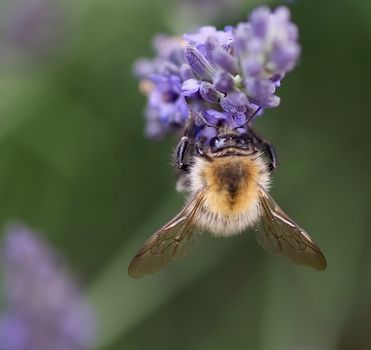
(228, 178)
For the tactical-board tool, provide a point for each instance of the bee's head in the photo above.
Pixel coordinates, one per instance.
(219, 136)
(241, 141)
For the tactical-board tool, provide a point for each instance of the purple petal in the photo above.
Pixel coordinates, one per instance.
(14, 333)
(242, 37)
(252, 67)
(198, 39)
(190, 87)
(235, 102)
(209, 93)
(199, 63)
(186, 72)
(169, 48)
(223, 82)
(259, 20)
(206, 134)
(239, 119)
(262, 93)
(214, 117)
(219, 56)
(284, 57)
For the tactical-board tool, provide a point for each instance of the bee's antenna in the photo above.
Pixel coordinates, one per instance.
(249, 119)
(201, 117)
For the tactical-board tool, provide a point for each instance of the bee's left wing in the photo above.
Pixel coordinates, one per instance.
(171, 242)
(280, 235)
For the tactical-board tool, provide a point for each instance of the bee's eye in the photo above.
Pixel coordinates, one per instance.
(215, 142)
(242, 141)
(218, 143)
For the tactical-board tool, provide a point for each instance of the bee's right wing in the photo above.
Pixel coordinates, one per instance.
(171, 242)
(280, 235)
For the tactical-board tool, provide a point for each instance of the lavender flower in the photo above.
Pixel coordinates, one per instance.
(161, 80)
(32, 27)
(232, 73)
(45, 308)
(267, 48)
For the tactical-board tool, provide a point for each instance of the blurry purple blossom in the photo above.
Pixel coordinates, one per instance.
(224, 38)
(267, 48)
(45, 308)
(234, 72)
(161, 80)
(31, 26)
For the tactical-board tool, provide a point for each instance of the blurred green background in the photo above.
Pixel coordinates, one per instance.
(74, 163)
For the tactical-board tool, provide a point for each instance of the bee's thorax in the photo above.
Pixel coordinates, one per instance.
(231, 185)
(230, 177)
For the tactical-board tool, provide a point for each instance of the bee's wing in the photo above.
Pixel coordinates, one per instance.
(280, 235)
(171, 242)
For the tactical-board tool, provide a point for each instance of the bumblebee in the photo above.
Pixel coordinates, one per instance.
(228, 179)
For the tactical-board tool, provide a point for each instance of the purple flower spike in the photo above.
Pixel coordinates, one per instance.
(233, 72)
(267, 47)
(45, 308)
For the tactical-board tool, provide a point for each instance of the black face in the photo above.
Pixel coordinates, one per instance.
(242, 141)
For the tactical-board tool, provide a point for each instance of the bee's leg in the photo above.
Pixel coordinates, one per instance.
(180, 153)
(186, 144)
(272, 155)
(268, 147)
